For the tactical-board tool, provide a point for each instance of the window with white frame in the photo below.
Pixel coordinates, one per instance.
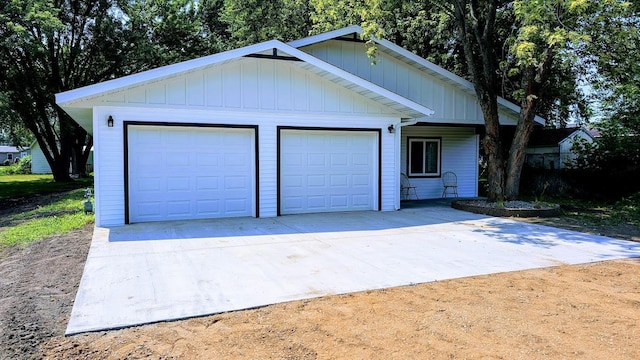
(9, 156)
(423, 156)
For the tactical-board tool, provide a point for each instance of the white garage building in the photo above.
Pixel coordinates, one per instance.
(274, 129)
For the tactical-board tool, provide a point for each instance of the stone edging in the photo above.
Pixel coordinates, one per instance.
(505, 212)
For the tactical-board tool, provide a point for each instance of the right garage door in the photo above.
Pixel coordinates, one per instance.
(328, 170)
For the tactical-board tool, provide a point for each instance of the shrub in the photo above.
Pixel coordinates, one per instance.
(24, 165)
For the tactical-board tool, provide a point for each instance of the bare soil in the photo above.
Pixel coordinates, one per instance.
(589, 311)
(38, 285)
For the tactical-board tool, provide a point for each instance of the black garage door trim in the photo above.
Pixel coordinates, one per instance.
(125, 129)
(307, 128)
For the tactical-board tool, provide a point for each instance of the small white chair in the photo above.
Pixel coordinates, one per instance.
(449, 181)
(406, 188)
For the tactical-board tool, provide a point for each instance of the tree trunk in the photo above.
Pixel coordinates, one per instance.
(80, 153)
(63, 161)
(493, 151)
(475, 22)
(517, 152)
(534, 85)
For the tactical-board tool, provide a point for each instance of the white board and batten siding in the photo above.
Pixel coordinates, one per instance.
(450, 103)
(459, 148)
(247, 91)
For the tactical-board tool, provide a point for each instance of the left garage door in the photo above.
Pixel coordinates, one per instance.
(180, 173)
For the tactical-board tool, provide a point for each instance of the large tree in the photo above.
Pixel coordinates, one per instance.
(51, 46)
(549, 35)
(524, 51)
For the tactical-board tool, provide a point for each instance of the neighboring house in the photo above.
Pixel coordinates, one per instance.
(274, 129)
(39, 164)
(12, 153)
(552, 148)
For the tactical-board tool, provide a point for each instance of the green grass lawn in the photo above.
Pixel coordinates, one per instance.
(17, 186)
(623, 211)
(59, 217)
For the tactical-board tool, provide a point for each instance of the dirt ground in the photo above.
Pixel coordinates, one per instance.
(589, 311)
(37, 288)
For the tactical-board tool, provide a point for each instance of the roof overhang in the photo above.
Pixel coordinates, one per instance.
(75, 102)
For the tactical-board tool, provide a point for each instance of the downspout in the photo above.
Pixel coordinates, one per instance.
(408, 123)
(402, 123)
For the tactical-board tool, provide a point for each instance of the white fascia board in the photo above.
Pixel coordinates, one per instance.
(158, 73)
(459, 81)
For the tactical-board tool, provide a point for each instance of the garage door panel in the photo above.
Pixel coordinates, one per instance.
(316, 202)
(340, 201)
(339, 159)
(208, 207)
(205, 181)
(316, 181)
(178, 208)
(361, 180)
(339, 181)
(294, 203)
(340, 169)
(178, 183)
(292, 159)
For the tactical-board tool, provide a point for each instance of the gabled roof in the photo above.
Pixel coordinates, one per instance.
(541, 137)
(12, 149)
(355, 31)
(402, 105)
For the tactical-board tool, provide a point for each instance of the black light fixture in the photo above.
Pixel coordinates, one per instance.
(110, 121)
(391, 129)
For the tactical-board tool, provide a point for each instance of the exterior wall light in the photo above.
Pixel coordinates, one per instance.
(391, 129)
(110, 121)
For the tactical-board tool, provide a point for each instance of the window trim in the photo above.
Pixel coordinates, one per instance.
(9, 156)
(423, 140)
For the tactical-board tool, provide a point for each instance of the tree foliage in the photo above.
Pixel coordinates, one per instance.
(254, 21)
(47, 47)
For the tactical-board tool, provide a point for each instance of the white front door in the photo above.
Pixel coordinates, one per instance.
(328, 170)
(179, 173)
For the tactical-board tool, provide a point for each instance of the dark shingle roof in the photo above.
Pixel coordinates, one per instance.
(549, 137)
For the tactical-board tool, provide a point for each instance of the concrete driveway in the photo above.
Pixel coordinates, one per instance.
(151, 272)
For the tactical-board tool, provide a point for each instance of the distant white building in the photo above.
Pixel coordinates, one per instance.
(39, 164)
(552, 148)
